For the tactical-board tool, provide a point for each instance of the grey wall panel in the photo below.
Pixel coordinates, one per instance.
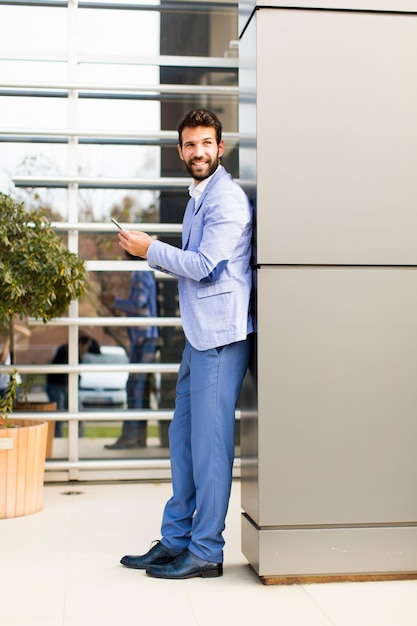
(247, 164)
(328, 551)
(246, 7)
(249, 444)
(336, 137)
(247, 104)
(337, 396)
(329, 470)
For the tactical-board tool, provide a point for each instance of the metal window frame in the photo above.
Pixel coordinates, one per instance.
(75, 468)
(177, 6)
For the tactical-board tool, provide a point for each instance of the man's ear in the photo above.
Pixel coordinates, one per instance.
(221, 148)
(180, 152)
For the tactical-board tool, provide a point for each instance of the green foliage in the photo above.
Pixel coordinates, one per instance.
(39, 276)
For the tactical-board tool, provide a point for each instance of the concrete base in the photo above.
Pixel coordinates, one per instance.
(294, 555)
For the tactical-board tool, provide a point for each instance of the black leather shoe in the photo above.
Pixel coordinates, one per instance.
(157, 555)
(186, 565)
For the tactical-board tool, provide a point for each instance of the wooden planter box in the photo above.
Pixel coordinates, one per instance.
(22, 467)
(40, 406)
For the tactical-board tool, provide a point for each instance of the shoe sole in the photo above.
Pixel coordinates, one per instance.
(134, 566)
(209, 573)
(142, 567)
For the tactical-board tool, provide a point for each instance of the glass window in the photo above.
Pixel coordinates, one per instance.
(98, 205)
(114, 114)
(113, 32)
(33, 112)
(117, 58)
(41, 31)
(115, 161)
(32, 70)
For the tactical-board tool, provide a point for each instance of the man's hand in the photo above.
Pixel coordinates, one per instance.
(107, 298)
(135, 242)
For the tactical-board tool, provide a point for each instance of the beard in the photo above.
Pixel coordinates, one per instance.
(202, 169)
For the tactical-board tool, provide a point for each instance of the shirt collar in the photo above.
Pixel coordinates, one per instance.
(196, 191)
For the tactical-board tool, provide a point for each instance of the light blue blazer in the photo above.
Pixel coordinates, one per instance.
(214, 265)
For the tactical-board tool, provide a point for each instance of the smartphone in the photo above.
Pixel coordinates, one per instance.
(117, 224)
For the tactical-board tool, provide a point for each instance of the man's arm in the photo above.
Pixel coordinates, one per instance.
(135, 242)
(226, 216)
(137, 301)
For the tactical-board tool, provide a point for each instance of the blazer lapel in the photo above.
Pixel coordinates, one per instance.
(186, 222)
(192, 210)
(217, 176)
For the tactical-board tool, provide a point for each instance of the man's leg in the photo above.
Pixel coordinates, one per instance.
(179, 510)
(130, 427)
(138, 393)
(60, 396)
(143, 389)
(202, 448)
(216, 381)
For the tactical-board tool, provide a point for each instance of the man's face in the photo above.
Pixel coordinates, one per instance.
(200, 151)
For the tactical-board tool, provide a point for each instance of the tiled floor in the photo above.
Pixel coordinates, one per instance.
(60, 567)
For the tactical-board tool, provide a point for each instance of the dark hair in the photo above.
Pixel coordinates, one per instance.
(200, 117)
(94, 346)
(84, 339)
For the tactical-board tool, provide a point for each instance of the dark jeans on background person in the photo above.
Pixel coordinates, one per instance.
(138, 390)
(59, 394)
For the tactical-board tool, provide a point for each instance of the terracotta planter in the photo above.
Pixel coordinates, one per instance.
(22, 467)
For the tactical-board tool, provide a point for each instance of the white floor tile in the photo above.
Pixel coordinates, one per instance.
(60, 567)
(390, 603)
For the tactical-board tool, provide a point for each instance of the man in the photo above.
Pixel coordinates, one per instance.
(214, 280)
(57, 384)
(143, 344)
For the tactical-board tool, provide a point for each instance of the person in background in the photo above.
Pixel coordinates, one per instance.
(214, 280)
(141, 302)
(4, 378)
(57, 384)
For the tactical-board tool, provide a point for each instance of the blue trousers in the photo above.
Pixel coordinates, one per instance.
(201, 439)
(138, 389)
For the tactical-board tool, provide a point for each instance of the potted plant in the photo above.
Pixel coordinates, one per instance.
(22, 459)
(39, 278)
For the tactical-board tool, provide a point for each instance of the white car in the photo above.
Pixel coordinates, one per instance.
(104, 390)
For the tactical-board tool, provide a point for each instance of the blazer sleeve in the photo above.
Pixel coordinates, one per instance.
(220, 221)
